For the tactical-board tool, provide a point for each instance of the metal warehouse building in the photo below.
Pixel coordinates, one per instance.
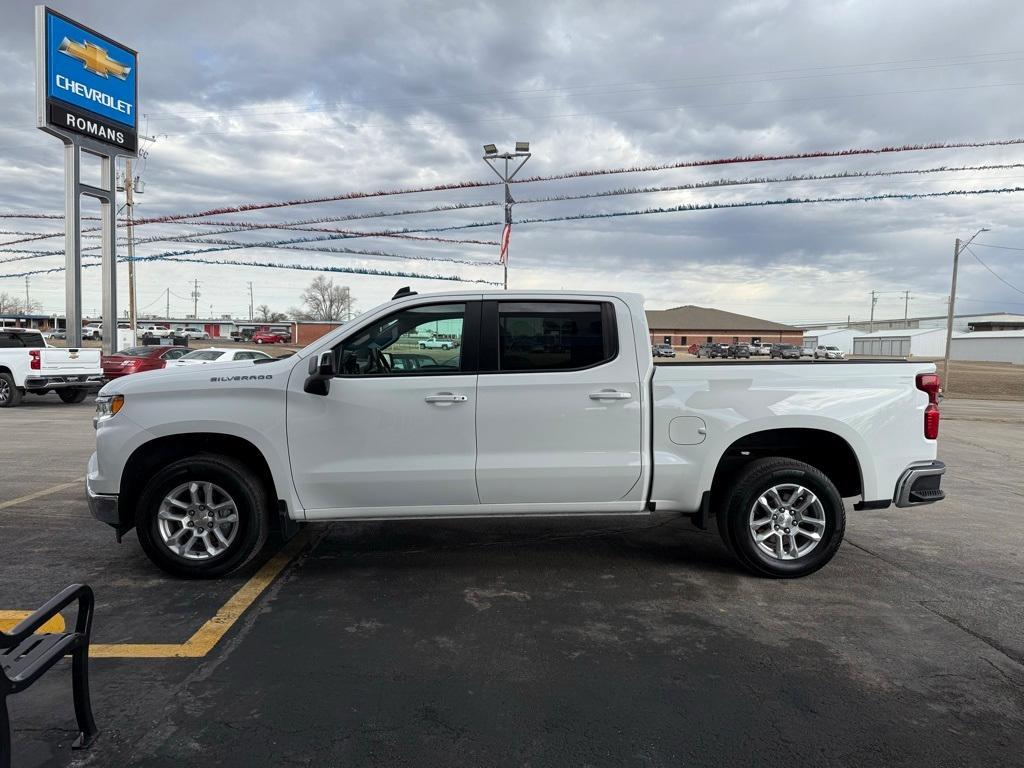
(921, 342)
(989, 347)
(683, 326)
(835, 337)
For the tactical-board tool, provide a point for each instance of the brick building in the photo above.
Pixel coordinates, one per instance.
(683, 326)
(307, 331)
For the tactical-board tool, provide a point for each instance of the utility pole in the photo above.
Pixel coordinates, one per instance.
(129, 203)
(871, 322)
(28, 303)
(490, 155)
(957, 248)
(250, 301)
(906, 308)
(168, 315)
(195, 299)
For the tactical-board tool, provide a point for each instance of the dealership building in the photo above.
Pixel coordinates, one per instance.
(686, 325)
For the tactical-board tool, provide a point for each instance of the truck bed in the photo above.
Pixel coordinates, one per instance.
(702, 408)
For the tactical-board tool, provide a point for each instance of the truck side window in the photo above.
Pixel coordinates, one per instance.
(8, 340)
(420, 340)
(554, 336)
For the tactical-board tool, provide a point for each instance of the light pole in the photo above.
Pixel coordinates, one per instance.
(957, 248)
(491, 155)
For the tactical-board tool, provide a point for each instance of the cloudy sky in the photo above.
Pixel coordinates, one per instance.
(268, 101)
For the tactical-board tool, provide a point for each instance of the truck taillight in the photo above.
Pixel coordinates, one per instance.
(35, 363)
(930, 384)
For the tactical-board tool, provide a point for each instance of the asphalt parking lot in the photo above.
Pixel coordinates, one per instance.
(532, 643)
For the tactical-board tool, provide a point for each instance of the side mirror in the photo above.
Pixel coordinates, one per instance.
(321, 370)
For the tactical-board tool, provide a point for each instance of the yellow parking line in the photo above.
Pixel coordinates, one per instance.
(39, 494)
(10, 619)
(208, 635)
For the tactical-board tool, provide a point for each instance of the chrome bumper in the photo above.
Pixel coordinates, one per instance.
(84, 381)
(919, 484)
(103, 506)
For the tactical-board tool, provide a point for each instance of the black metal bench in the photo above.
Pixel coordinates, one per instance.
(25, 657)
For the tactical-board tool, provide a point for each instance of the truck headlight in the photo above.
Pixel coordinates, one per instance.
(107, 407)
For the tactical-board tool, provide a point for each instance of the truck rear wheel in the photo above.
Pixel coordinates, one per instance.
(783, 518)
(203, 517)
(72, 395)
(10, 395)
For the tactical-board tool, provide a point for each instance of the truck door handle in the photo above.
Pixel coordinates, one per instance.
(445, 397)
(610, 395)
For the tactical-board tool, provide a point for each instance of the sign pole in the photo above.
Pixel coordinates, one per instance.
(72, 246)
(109, 268)
(87, 94)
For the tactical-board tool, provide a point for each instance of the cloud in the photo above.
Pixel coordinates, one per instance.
(269, 102)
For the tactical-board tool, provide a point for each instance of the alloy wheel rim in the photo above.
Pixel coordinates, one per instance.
(198, 520)
(787, 521)
(5, 391)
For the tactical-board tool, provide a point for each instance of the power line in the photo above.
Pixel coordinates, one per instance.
(277, 265)
(993, 273)
(1000, 247)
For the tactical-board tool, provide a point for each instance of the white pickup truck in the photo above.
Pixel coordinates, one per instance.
(552, 405)
(27, 364)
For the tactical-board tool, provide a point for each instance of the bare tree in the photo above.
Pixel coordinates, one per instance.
(14, 305)
(264, 314)
(324, 300)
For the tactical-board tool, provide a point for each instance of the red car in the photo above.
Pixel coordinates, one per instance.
(270, 337)
(137, 359)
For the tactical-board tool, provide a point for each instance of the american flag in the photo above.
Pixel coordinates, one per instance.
(505, 235)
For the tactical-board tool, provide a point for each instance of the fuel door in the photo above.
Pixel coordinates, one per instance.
(687, 430)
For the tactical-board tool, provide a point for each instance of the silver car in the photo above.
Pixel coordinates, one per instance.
(829, 353)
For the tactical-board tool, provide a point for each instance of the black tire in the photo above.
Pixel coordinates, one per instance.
(749, 484)
(10, 395)
(245, 488)
(72, 395)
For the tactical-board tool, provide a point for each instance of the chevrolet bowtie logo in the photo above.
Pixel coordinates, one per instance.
(94, 59)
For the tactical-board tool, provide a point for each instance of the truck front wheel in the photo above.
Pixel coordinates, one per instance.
(783, 518)
(203, 517)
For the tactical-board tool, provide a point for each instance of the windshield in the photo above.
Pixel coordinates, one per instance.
(832, 349)
(203, 354)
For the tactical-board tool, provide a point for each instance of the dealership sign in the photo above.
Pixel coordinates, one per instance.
(86, 84)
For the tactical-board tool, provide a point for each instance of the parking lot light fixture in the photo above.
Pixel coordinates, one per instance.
(522, 154)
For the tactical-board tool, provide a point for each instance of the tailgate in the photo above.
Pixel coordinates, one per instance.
(55, 361)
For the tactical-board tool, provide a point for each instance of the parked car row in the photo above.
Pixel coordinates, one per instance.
(714, 350)
(155, 357)
(746, 350)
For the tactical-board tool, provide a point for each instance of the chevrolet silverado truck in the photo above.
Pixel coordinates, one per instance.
(28, 365)
(551, 405)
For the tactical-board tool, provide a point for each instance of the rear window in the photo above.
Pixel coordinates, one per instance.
(135, 351)
(203, 354)
(11, 339)
(554, 336)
